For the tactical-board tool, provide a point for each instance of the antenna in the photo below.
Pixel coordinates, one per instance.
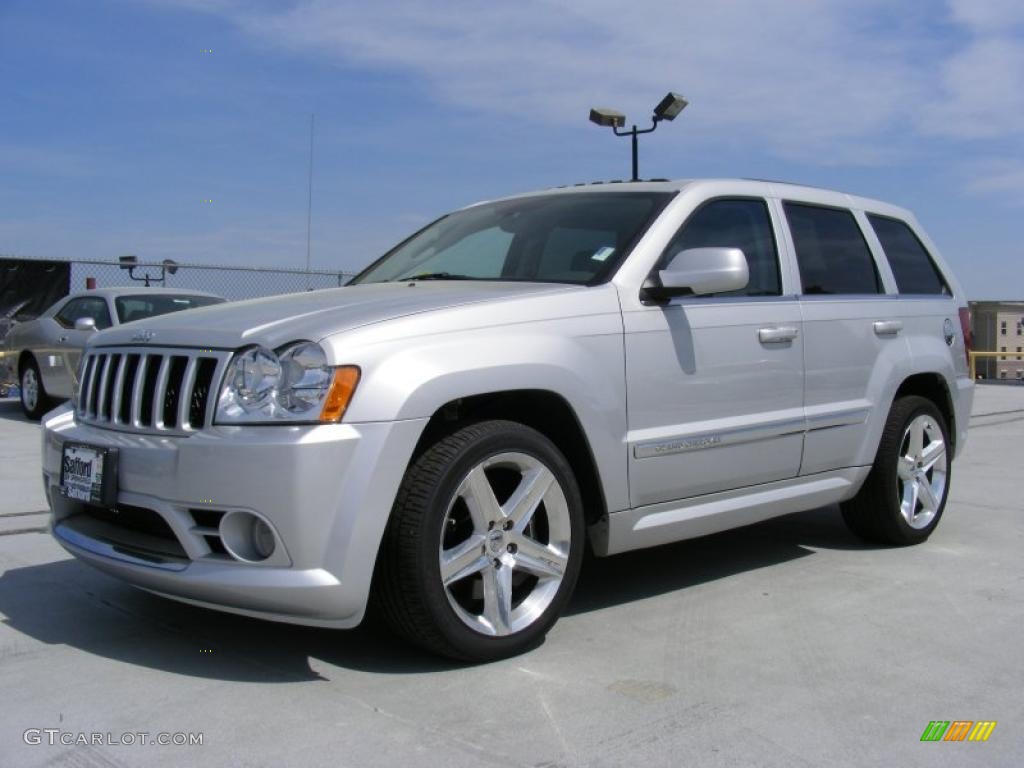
(309, 205)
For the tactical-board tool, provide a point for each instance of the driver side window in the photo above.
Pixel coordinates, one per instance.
(93, 307)
(734, 223)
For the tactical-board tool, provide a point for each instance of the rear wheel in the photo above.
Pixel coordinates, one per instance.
(905, 493)
(484, 543)
(34, 400)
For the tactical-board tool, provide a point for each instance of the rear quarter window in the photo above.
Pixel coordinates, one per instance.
(912, 265)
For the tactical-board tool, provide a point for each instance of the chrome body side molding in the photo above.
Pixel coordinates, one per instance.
(711, 439)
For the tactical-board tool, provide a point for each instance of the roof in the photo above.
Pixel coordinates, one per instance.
(748, 186)
(133, 290)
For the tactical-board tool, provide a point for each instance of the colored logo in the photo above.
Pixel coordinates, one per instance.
(958, 730)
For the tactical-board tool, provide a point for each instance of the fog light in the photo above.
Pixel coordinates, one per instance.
(262, 539)
(247, 537)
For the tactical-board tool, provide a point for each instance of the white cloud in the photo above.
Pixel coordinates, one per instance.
(980, 93)
(1002, 178)
(839, 81)
(803, 77)
(988, 15)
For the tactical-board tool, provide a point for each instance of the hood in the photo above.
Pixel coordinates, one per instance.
(278, 320)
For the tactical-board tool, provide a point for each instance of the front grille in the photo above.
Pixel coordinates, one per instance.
(150, 390)
(137, 530)
(207, 525)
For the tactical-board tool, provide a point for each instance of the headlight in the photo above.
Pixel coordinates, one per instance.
(293, 385)
(76, 385)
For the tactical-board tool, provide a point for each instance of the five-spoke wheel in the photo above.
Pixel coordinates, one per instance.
(505, 543)
(921, 471)
(903, 496)
(484, 543)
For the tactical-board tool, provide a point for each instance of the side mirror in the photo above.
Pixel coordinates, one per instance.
(700, 271)
(85, 324)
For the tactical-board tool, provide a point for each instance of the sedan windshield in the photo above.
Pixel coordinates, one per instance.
(561, 238)
(130, 308)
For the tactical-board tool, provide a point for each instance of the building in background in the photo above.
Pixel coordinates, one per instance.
(998, 326)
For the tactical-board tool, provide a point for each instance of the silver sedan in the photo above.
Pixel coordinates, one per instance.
(46, 351)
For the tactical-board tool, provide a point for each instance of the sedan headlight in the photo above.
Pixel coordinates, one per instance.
(292, 385)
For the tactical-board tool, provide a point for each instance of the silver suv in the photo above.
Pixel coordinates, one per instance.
(630, 364)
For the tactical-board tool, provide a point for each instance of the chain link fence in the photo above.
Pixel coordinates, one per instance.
(231, 282)
(29, 291)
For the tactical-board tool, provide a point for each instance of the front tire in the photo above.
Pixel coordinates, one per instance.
(34, 400)
(484, 544)
(905, 493)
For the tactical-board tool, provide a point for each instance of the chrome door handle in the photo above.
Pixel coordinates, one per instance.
(777, 335)
(888, 327)
(61, 339)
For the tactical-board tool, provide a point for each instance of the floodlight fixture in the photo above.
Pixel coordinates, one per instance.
(668, 109)
(166, 267)
(607, 118)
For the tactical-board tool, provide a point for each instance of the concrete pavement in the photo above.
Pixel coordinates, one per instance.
(787, 643)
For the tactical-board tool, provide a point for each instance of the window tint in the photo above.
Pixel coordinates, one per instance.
(913, 268)
(576, 238)
(831, 251)
(131, 308)
(575, 253)
(743, 224)
(477, 255)
(93, 307)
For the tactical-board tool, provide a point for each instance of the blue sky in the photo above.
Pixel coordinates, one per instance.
(116, 124)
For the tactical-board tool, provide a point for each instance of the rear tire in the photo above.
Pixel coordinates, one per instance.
(905, 493)
(484, 543)
(34, 400)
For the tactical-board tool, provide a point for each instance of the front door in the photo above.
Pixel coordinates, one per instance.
(715, 383)
(70, 342)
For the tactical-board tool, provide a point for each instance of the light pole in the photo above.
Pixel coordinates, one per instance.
(166, 267)
(668, 108)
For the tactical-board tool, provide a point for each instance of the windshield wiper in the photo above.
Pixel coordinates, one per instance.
(434, 276)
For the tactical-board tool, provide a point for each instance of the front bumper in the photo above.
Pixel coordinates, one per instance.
(325, 490)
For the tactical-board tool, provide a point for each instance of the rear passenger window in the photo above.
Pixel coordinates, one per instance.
(913, 268)
(734, 223)
(831, 251)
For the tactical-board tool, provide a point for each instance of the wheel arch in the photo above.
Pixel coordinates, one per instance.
(543, 410)
(23, 358)
(933, 387)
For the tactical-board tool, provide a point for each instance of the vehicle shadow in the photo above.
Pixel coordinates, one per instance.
(68, 603)
(609, 581)
(10, 409)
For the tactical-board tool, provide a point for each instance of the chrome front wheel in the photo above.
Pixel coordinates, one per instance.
(34, 400)
(29, 389)
(484, 543)
(505, 543)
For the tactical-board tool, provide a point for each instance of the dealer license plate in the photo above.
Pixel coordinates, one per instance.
(89, 474)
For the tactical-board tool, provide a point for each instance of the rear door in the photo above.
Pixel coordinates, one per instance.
(715, 383)
(848, 327)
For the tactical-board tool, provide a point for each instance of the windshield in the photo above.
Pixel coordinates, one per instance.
(562, 238)
(130, 308)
